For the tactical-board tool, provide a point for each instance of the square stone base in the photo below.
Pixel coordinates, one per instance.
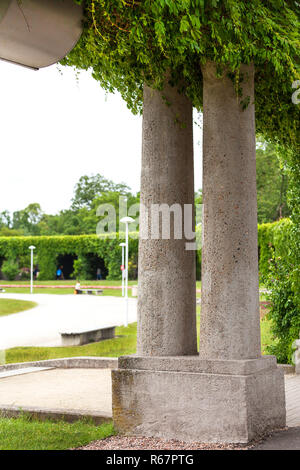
(191, 399)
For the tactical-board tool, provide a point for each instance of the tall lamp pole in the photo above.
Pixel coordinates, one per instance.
(123, 245)
(31, 248)
(126, 221)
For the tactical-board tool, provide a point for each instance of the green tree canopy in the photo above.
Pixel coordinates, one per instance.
(127, 43)
(94, 187)
(27, 219)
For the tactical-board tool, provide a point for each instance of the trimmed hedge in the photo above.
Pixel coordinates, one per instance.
(270, 236)
(273, 239)
(49, 248)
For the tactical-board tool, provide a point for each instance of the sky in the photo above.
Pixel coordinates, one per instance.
(55, 127)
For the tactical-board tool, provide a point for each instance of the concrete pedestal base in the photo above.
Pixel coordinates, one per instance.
(191, 399)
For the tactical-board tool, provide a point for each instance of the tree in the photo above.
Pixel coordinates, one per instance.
(28, 219)
(5, 219)
(9, 232)
(272, 184)
(93, 187)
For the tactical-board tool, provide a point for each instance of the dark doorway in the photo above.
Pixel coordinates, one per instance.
(1, 262)
(93, 264)
(66, 262)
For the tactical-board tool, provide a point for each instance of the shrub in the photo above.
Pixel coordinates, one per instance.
(48, 249)
(283, 312)
(79, 269)
(10, 269)
(24, 274)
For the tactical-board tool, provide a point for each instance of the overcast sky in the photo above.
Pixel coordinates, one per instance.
(56, 128)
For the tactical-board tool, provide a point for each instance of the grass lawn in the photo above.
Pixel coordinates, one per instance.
(70, 290)
(124, 344)
(26, 434)
(70, 283)
(9, 306)
(266, 335)
(26, 290)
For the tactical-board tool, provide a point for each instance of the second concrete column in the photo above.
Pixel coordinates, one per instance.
(230, 298)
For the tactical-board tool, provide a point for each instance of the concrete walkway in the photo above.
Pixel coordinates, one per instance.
(83, 391)
(88, 392)
(41, 326)
(292, 393)
(282, 440)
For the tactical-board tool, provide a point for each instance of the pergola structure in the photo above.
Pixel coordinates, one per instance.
(227, 392)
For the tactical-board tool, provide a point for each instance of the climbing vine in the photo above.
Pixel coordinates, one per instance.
(127, 43)
(275, 236)
(49, 248)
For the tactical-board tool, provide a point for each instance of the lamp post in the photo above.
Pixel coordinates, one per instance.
(31, 248)
(126, 221)
(123, 245)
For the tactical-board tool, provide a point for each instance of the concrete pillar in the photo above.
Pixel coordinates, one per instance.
(166, 304)
(230, 393)
(230, 326)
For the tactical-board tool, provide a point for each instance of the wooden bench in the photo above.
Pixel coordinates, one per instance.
(78, 338)
(90, 291)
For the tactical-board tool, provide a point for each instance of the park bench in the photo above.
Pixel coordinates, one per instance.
(80, 337)
(90, 291)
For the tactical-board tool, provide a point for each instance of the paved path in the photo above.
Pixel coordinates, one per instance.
(87, 390)
(54, 389)
(292, 393)
(282, 440)
(41, 326)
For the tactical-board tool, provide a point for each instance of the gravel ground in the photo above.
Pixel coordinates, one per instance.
(151, 443)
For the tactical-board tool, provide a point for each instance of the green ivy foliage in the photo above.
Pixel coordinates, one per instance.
(270, 236)
(280, 270)
(284, 310)
(10, 269)
(274, 239)
(49, 248)
(127, 43)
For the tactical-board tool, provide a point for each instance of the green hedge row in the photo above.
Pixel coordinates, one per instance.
(48, 249)
(274, 239)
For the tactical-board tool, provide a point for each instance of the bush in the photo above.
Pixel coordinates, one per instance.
(48, 249)
(284, 309)
(273, 240)
(10, 269)
(79, 269)
(25, 274)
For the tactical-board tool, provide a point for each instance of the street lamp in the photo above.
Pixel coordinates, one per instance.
(123, 245)
(126, 221)
(38, 33)
(31, 248)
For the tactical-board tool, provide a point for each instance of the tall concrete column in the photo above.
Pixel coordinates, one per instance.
(166, 304)
(230, 326)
